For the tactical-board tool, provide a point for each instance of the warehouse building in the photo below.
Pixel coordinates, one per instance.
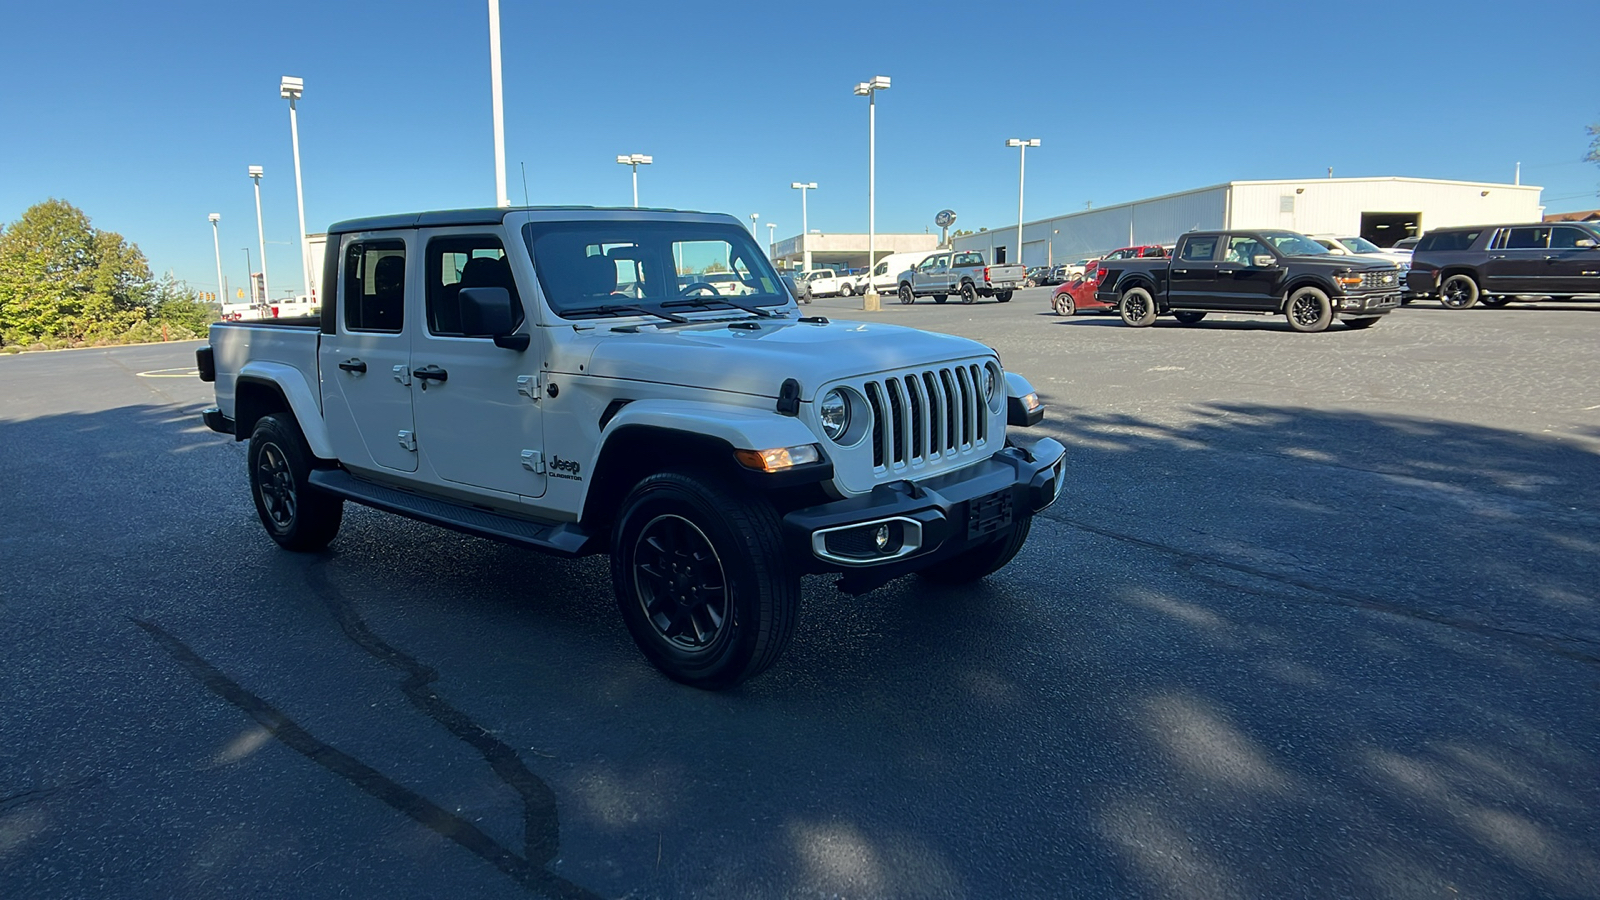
(1382, 210)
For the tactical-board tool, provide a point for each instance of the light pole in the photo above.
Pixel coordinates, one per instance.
(869, 90)
(772, 238)
(753, 218)
(500, 197)
(805, 230)
(261, 233)
(636, 160)
(249, 275)
(291, 89)
(216, 244)
(1022, 168)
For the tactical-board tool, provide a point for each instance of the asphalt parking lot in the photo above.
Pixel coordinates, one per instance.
(1315, 617)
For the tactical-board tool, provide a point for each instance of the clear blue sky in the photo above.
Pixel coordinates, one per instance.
(146, 114)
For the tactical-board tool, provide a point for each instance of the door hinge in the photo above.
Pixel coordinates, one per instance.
(533, 461)
(529, 386)
(408, 440)
(402, 374)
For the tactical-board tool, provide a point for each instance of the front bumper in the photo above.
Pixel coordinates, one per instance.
(1361, 306)
(903, 526)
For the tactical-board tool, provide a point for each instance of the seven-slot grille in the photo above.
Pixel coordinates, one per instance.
(927, 415)
(1381, 280)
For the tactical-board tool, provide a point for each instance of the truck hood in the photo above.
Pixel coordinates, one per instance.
(1355, 263)
(758, 360)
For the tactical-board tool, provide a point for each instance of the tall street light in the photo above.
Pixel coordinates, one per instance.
(216, 244)
(772, 238)
(261, 233)
(869, 90)
(500, 197)
(291, 89)
(1022, 169)
(805, 229)
(636, 160)
(753, 218)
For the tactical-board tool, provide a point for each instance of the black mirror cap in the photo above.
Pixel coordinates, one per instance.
(486, 312)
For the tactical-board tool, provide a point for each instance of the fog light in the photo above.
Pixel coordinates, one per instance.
(881, 538)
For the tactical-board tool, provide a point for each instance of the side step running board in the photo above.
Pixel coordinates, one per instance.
(561, 539)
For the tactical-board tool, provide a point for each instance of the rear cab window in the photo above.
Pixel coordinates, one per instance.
(1199, 249)
(375, 286)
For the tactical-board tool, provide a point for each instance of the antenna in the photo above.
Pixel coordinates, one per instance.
(524, 183)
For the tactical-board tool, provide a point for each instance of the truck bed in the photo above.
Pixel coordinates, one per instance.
(285, 346)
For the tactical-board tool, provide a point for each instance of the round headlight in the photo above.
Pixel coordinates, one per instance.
(990, 382)
(834, 411)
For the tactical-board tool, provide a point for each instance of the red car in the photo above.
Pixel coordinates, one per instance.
(1078, 295)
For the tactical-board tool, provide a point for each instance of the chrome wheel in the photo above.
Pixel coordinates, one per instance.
(275, 481)
(680, 582)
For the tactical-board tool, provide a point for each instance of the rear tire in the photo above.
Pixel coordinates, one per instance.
(1309, 310)
(702, 580)
(296, 515)
(1359, 324)
(847, 290)
(1494, 302)
(1459, 291)
(983, 560)
(1137, 308)
(1188, 316)
(1002, 296)
(969, 294)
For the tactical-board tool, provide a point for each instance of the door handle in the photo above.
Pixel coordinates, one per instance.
(431, 373)
(353, 365)
(1497, 257)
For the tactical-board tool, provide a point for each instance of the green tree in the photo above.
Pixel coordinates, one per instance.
(1594, 145)
(64, 282)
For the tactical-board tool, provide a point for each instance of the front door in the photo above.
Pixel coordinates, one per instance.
(1249, 275)
(1574, 260)
(366, 363)
(1192, 279)
(933, 276)
(479, 425)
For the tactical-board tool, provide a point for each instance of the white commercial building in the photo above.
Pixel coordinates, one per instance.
(846, 251)
(1382, 210)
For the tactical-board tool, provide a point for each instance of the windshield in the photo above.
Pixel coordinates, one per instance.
(1360, 245)
(599, 268)
(1290, 244)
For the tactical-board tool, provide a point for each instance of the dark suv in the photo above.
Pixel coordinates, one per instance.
(1491, 264)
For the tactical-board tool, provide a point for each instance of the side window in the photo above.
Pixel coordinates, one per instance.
(1244, 250)
(1199, 249)
(1569, 238)
(455, 263)
(1528, 239)
(375, 286)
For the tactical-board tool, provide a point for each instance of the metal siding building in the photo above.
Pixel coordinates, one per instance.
(1381, 209)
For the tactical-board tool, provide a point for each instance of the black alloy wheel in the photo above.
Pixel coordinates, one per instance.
(906, 296)
(296, 515)
(969, 294)
(940, 298)
(1309, 310)
(702, 579)
(1137, 308)
(1002, 296)
(1458, 291)
(1189, 316)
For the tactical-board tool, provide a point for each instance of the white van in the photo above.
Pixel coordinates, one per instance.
(886, 274)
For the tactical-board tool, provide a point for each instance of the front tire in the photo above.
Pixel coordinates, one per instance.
(296, 515)
(906, 296)
(1065, 305)
(1309, 310)
(702, 580)
(980, 561)
(969, 294)
(940, 298)
(1458, 292)
(1137, 308)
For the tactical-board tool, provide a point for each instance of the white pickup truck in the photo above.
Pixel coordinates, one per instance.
(960, 272)
(545, 377)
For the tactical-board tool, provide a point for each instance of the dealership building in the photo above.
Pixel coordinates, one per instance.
(1382, 210)
(845, 251)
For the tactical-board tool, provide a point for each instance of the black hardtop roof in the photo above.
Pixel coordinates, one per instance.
(488, 215)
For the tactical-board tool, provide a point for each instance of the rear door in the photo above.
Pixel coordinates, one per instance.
(366, 364)
(479, 424)
(1193, 276)
(1574, 260)
(1516, 262)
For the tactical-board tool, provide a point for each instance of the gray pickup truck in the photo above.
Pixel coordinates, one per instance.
(960, 272)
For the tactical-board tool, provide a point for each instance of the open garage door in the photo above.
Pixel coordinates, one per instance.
(1385, 228)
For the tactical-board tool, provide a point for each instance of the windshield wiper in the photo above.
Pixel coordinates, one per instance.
(614, 309)
(706, 303)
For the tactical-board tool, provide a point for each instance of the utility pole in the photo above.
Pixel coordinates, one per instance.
(500, 197)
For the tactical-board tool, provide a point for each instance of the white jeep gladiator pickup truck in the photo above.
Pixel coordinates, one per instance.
(547, 378)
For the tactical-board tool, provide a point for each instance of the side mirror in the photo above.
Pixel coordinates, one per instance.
(488, 312)
(1264, 261)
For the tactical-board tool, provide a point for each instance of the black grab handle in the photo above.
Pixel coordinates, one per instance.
(353, 365)
(431, 373)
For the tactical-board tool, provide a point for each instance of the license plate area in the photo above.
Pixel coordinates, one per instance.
(989, 514)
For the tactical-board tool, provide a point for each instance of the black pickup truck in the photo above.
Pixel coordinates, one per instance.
(1267, 272)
